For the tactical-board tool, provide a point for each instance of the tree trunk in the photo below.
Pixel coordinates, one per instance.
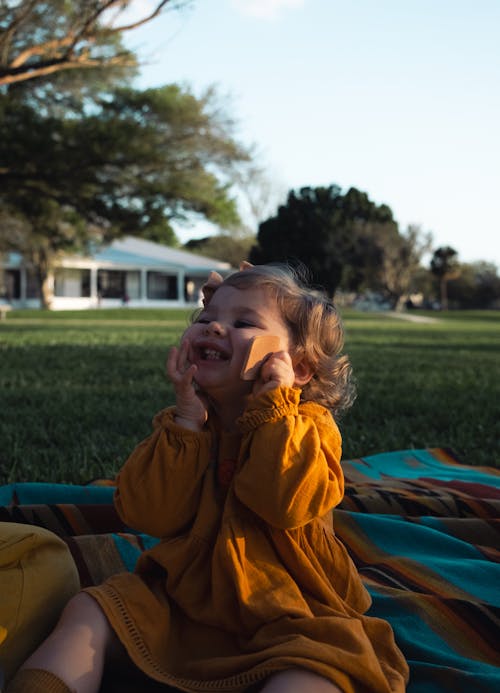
(444, 292)
(45, 273)
(47, 290)
(400, 303)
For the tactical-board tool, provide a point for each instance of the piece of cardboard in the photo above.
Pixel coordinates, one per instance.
(261, 347)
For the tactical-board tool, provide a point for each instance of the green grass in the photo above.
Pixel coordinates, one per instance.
(78, 390)
(426, 385)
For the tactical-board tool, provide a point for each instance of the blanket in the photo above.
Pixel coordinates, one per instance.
(421, 527)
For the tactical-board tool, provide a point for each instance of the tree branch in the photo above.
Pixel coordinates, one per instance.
(44, 69)
(19, 69)
(41, 49)
(140, 22)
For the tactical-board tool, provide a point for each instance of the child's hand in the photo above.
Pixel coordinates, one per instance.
(276, 371)
(190, 409)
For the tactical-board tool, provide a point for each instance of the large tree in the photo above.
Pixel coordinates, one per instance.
(39, 38)
(401, 258)
(135, 163)
(334, 234)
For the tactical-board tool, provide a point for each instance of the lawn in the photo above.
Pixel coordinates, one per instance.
(78, 389)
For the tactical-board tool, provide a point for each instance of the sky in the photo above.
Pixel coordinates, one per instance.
(400, 99)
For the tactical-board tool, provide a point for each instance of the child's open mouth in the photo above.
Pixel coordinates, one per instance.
(212, 352)
(212, 355)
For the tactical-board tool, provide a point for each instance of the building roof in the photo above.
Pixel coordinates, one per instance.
(131, 250)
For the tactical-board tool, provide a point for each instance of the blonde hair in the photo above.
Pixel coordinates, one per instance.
(316, 329)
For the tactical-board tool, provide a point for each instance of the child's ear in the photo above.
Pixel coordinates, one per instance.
(303, 372)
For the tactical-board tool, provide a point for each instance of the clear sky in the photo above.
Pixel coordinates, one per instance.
(398, 98)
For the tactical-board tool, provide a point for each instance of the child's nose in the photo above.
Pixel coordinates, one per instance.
(215, 327)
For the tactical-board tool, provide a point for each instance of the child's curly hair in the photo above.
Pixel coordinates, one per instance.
(316, 328)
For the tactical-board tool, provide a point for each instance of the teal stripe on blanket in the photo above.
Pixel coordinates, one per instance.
(129, 553)
(434, 665)
(454, 562)
(418, 464)
(34, 493)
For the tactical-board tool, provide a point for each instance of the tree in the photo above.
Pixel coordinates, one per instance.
(487, 281)
(255, 193)
(400, 260)
(259, 195)
(444, 265)
(330, 232)
(38, 38)
(138, 162)
(232, 249)
(477, 286)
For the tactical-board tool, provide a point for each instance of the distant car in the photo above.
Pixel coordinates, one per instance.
(371, 301)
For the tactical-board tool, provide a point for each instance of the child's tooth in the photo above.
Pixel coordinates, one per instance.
(212, 354)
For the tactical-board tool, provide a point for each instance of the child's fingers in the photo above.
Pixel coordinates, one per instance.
(184, 355)
(278, 368)
(178, 357)
(172, 362)
(179, 369)
(280, 359)
(282, 356)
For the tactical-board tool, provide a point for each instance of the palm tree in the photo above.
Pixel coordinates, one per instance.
(444, 266)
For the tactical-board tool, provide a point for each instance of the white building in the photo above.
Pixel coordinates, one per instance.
(129, 271)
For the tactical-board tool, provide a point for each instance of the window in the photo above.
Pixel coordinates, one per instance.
(72, 282)
(32, 285)
(162, 286)
(133, 284)
(111, 283)
(10, 284)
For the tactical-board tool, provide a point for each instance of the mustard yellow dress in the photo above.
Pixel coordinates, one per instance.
(249, 578)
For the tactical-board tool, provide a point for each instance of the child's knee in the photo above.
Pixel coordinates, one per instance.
(83, 611)
(81, 607)
(299, 681)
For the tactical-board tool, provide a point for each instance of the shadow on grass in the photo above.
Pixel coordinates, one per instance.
(73, 412)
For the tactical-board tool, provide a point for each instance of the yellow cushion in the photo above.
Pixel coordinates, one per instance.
(37, 577)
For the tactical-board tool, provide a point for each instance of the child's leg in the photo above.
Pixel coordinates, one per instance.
(299, 681)
(76, 649)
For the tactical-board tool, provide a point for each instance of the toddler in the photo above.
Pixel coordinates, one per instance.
(248, 588)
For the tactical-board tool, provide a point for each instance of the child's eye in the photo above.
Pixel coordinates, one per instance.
(243, 323)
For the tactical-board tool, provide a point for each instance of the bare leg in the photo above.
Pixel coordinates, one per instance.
(75, 651)
(299, 681)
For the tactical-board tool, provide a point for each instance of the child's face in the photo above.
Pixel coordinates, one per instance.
(219, 339)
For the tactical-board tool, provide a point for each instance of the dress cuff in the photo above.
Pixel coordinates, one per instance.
(166, 419)
(269, 407)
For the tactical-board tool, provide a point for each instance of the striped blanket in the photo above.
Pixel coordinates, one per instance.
(421, 527)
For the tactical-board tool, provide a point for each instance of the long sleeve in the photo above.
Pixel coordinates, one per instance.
(158, 488)
(291, 469)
